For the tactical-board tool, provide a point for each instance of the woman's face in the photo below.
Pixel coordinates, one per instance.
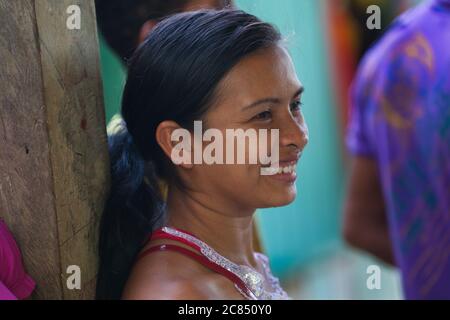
(261, 92)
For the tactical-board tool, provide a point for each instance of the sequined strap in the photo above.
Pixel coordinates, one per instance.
(199, 257)
(161, 234)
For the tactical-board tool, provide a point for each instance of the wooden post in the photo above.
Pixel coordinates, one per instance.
(54, 167)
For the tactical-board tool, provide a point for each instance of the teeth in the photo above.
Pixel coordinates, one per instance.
(269, 171)
(279, 170)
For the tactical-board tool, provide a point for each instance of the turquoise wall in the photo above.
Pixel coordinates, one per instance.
(294, 234)
(113, 75)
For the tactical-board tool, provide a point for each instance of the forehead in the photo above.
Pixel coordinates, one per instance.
(267, 73)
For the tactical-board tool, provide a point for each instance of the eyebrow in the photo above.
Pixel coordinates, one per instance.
(272, 99)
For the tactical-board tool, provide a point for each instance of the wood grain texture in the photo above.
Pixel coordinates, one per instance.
(53, 158)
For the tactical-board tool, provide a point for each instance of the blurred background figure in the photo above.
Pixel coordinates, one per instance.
(349, 39)
(398, 206)
(326, 39)
(123, 25)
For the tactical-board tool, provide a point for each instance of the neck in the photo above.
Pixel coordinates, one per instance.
(231, 235)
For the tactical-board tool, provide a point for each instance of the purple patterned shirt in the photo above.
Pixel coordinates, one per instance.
(400, 117)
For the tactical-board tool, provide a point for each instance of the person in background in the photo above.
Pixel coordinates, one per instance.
(14, 282)
(398, 204)
(358, 11)
(126, 23)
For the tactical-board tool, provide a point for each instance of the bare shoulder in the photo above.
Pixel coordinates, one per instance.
(164, 290)
(172, 276)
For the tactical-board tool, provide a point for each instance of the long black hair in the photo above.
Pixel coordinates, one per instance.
(173, 75)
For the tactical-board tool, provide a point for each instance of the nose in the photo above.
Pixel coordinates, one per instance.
(294, 134)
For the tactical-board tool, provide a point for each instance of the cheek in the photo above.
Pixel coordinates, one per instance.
(241, 181)
(242, 175)
(234, 176)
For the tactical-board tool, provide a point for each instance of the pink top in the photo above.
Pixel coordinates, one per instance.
(14, 282)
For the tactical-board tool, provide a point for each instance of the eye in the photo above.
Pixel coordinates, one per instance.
(266, 115)
(296, 106)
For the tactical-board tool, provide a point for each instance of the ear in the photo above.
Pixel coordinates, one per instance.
(146, 28)
(175, 141)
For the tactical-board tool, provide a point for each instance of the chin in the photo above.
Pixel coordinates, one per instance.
(280, 200)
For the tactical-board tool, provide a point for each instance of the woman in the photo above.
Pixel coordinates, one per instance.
(229, 70)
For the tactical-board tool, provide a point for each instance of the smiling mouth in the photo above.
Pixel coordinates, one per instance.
(286, 171)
